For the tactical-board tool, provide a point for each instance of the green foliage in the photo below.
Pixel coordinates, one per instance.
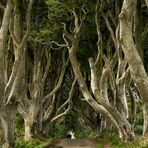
(85, 133)
(109, 137)
(56, 10)
(56, 131)
(46, 16)
(19, 125)
(41, 35)
(36, 143)
(112, 139)
(139, 120)
(22, 144)
(71, 121)
(138, 129)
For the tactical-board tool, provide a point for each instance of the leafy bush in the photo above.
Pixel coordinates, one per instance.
(113, 140)
(139, 120)
(22, 144)
(138, 129)
(87, 133)
(19, 126)
(56, 131)
(36, 143)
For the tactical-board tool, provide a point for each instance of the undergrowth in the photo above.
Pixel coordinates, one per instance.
(113, 141)
(35, 143)
(108, 139)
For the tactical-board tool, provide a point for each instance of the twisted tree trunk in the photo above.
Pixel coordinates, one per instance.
(99, 104)
(102, 106)
(7, 113)
(133, 58)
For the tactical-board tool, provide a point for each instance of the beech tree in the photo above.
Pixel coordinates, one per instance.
(7, 113)
(12, 82)
(137, 70)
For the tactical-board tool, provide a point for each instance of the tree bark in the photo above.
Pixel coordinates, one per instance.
(121, 101)
(104, 93)
(29, 120)
(7, 114)
(3, 39)
(8, 125)
(132, 116)
(136, 66)
(146, 2)
(138, 28)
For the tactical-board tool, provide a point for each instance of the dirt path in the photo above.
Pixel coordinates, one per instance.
(75, 143)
